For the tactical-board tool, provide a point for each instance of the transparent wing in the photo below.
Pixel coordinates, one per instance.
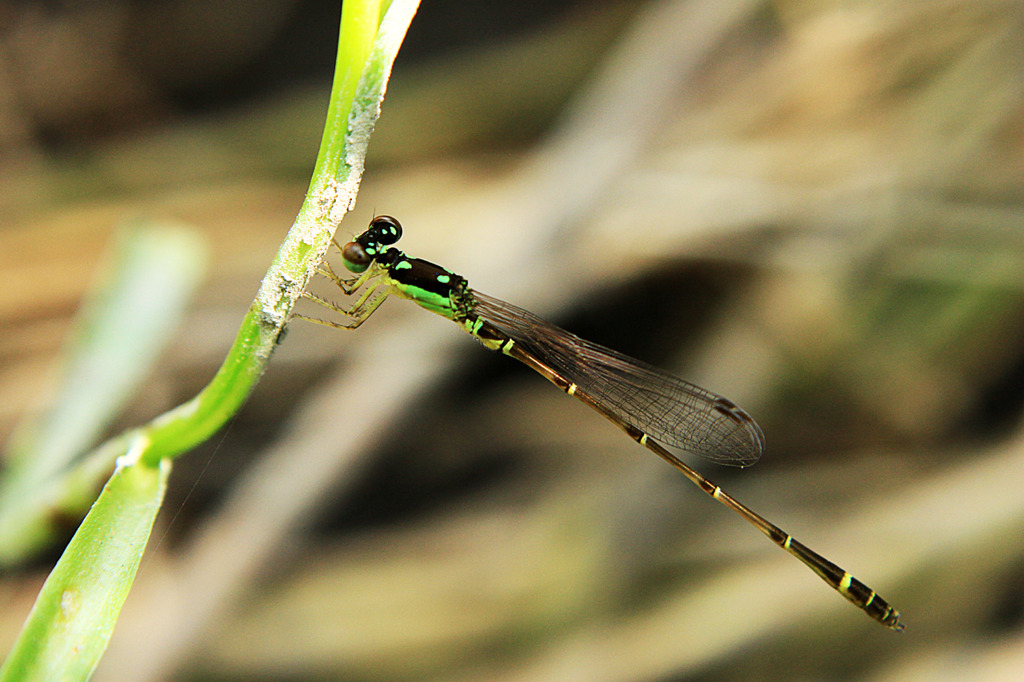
(673, 412)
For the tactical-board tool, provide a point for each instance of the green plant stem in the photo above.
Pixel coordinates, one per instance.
(371, 33)
(71, 622)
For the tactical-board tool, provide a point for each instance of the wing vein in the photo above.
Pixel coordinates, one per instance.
(672, 411)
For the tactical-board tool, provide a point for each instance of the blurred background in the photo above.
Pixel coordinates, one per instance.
(813, 208)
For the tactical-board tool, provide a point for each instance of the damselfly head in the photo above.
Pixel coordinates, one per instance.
(359, 253)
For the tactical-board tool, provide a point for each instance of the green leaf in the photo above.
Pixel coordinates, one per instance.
(71, 622)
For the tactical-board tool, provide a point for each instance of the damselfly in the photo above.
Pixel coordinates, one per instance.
(654, 408)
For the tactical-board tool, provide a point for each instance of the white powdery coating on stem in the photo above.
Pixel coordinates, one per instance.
(368, 97)
(337, 195)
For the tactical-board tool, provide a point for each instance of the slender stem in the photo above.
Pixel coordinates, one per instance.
(371, 33)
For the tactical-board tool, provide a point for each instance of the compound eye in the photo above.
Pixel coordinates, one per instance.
(355, 257)
(386, 230)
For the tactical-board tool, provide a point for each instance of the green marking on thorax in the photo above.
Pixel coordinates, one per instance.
(440, 304)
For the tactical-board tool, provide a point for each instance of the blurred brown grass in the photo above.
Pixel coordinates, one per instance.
(812, 208)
